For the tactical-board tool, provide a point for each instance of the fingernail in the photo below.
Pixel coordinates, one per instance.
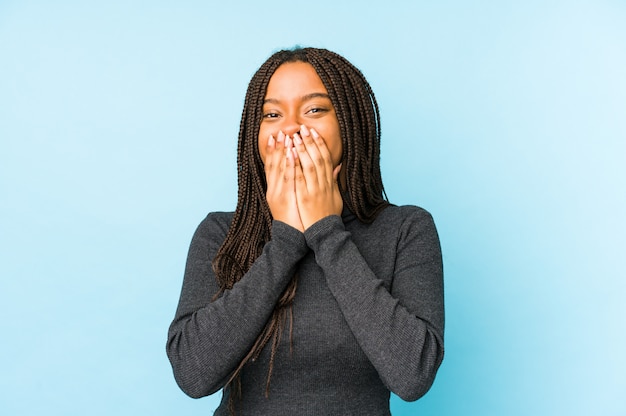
(297, 139)
(304, 130)
(314, 134)
(281, 136)
(287, 141)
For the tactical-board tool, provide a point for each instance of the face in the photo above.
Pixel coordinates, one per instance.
(295, 96)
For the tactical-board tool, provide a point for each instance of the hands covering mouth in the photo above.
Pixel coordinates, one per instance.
(301, 179)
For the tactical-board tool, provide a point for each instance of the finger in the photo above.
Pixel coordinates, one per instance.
(274, 163)
(275, 146)
(316, 156)
(289, 171)
(300, 183)
(325, 156)
(275, 143)
(307, 165)
(270, 159)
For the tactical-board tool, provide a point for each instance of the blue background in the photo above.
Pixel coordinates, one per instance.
(506, 120)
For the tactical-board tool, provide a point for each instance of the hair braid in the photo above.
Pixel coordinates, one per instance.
(359, 122)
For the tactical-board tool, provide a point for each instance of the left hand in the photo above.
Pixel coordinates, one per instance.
(317, 191)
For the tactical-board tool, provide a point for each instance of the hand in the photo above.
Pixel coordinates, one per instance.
(317, 192)
(280, 177)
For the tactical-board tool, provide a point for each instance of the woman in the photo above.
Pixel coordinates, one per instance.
(316, 296)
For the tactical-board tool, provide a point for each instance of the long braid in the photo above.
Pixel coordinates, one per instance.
(359, 122)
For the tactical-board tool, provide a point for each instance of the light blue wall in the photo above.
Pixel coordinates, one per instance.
(507, 120)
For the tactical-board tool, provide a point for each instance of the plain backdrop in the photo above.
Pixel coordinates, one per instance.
(118, 129)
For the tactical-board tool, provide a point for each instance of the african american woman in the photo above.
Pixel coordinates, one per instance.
(316, 296)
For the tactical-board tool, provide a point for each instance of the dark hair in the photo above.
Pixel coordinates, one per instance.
(359, 123)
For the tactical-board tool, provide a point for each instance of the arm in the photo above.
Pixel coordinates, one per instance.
(208, 339)
(401, 330)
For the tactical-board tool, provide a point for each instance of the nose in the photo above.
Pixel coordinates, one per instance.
(290, 125)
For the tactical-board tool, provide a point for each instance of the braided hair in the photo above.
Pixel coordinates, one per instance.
(361, 186)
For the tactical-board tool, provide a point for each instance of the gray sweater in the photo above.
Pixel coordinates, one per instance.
(368, 316)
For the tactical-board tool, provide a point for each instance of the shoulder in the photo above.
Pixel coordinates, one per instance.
(412, 223)
(214, 227)
(396, 223)
(405, 214)
(217, 219)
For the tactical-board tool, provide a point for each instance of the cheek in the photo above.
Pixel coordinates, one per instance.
(264, 134)
(336, 148)
(261, 144)
(337, 152)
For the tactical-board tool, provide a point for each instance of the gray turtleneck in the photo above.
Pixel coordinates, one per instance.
(368, 316)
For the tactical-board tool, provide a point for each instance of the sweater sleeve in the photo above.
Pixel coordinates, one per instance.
(401, 329)
(208, 338)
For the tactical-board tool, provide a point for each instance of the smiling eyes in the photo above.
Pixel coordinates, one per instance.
(313, 111)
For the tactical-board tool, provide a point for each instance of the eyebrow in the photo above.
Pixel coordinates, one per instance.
(306, 97)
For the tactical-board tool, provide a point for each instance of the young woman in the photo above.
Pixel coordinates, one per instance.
(316, 296)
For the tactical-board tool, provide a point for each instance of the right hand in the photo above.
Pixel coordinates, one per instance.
(280, 178)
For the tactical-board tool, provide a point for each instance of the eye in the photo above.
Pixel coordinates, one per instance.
(270, 115)
(317, 110)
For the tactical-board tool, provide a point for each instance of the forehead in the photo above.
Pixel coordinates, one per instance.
(294, 79)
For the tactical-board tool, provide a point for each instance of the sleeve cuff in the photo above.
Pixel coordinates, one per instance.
(317, 233)
(289, 237)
